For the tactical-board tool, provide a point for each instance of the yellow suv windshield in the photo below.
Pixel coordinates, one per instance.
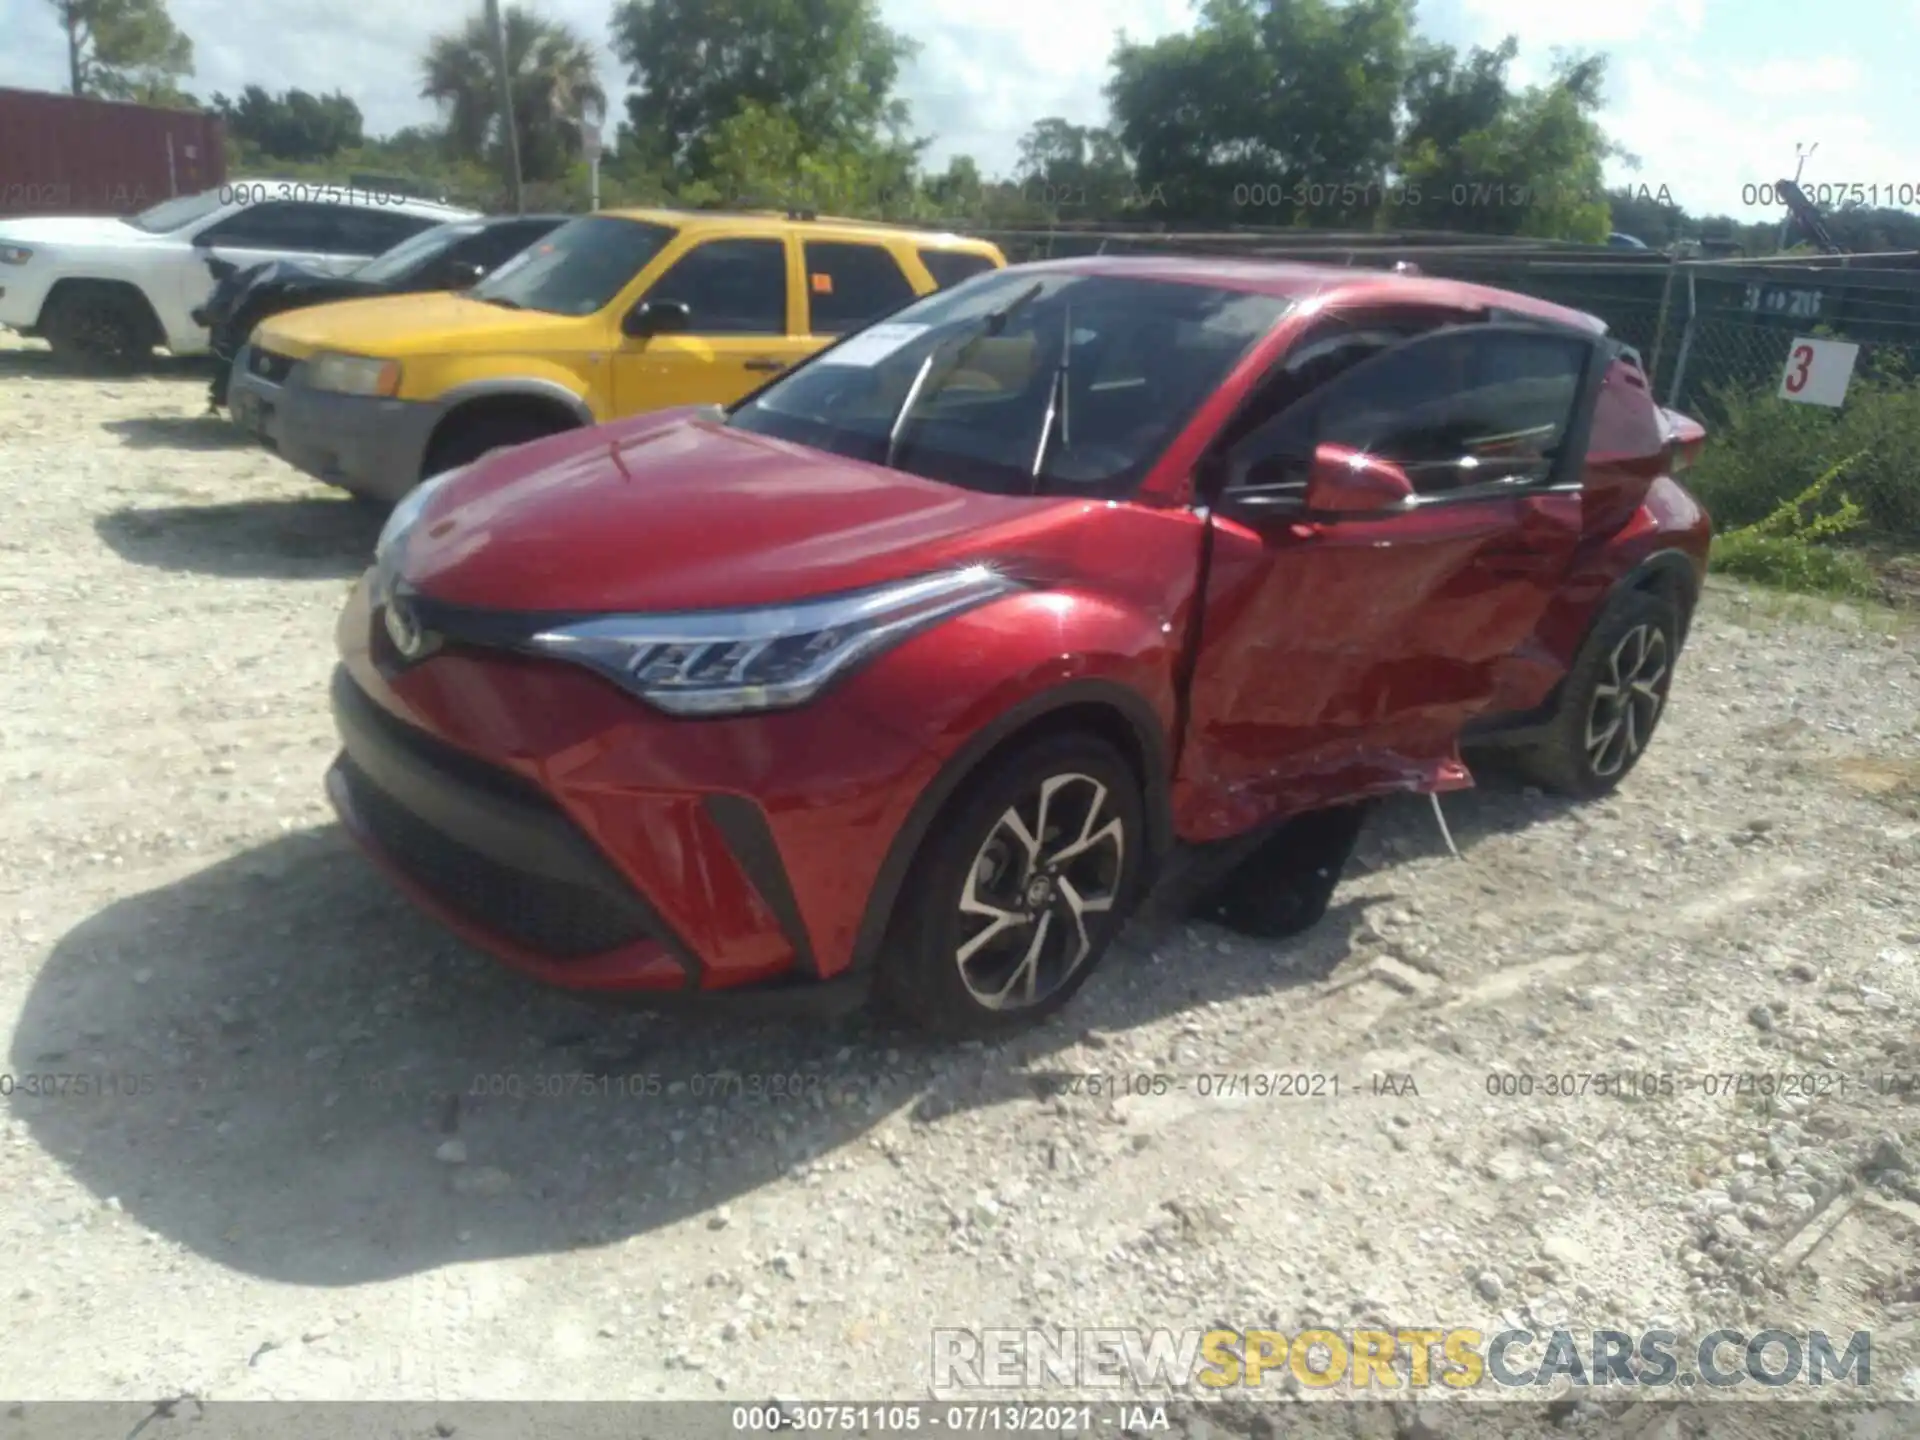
(576, 270)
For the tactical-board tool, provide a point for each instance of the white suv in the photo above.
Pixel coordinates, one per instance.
(104, 291)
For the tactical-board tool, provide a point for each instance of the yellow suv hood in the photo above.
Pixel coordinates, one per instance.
(397, 326)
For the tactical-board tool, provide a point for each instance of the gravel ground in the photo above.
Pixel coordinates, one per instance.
(330, 1171)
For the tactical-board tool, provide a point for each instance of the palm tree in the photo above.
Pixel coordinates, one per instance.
(554, 75)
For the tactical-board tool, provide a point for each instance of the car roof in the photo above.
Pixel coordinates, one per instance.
(776, 222)
(306, 189)
(1296, 281)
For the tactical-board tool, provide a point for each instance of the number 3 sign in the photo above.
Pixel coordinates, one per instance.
(1818, 371)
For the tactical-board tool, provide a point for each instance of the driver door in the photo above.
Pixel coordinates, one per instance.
(1340, 655)
(743, 328)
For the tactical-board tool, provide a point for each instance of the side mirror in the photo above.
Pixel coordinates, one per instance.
(463, 274)
(1348, 482)
(657, 317)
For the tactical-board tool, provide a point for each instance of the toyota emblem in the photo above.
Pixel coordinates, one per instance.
(403, 628)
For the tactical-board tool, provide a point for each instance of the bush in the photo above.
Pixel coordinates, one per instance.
(1789, 548)
(1765, 451)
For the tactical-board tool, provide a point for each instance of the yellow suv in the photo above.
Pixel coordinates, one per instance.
(612, 314)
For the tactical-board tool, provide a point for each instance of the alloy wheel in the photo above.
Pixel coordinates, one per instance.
(1048, 863)
(1628, 700)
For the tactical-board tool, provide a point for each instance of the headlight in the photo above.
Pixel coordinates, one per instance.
(353, 374)
(726, 662)
(14, 254)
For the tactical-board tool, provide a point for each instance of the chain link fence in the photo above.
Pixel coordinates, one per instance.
(1733, 328)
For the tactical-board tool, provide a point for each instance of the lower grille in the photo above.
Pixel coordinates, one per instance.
(549, 917)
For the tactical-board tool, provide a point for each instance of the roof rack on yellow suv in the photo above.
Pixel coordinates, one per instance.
(613, 313)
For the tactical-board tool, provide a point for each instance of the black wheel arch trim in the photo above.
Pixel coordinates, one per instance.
(1651, 573)
(1150, 740)
(516, 387)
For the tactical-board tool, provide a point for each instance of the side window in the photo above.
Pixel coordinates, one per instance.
(358, 231)
(731, 287)
(274, 225)
(1460, 408)
(848, 285)
(950, 267)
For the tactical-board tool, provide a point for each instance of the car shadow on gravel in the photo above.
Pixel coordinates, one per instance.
(252, 539)
(278, 1064)
(180, 432)
(37, 363)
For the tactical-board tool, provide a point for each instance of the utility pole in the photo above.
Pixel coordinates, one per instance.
(496, 32)
(592, 117)
(1801, 154)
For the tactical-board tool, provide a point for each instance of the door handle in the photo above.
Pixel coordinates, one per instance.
(768, 365)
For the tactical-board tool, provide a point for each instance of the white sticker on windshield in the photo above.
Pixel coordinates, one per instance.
(872, 346)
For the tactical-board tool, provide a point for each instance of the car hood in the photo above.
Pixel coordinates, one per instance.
(72, 230)
(396, 326)
(673, 511)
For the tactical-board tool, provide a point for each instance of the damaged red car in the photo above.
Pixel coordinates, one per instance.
(904, 677)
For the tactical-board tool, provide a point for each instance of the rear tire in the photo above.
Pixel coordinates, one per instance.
(1018, 890)
(465, 441)
(96, 328)
(1611, 701)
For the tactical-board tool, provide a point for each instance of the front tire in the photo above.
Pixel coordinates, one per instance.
(1018, 892)
(96, 329)
(1611, 701)
(468, 439)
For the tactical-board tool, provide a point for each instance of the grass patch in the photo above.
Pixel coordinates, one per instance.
(1792, 546)
(1771, 478)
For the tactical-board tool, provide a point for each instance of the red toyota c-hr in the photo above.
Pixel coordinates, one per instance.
(907, 674)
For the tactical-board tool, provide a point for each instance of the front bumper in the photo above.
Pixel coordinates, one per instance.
(23, 294)
(371, 446)
(587, 841)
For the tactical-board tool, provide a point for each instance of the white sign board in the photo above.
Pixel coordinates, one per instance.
(1818, 371)
(590, 143)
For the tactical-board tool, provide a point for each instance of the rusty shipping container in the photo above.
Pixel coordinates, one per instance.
(65, 155)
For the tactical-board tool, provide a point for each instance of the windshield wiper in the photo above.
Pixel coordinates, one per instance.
(992, 323)
(500, 300)
(1056, 404)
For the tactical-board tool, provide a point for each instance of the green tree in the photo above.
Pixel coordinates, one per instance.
(763, 158)
(293, 126)
(553, 77)
(125, 50)
(1649, 216)
(1866, 230)
(1449, 98)
(828, 67)
(959, 190)
(1535, 169)
(1267, 113)
(1075, 172)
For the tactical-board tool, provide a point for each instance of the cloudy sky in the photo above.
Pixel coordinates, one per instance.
(1712, 95)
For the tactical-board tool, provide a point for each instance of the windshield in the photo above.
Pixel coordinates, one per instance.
(170, 215)
(391, 265)
(1021, 383)
(577, 269)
